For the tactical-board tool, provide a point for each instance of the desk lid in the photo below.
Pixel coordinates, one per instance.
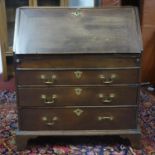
(71, 30)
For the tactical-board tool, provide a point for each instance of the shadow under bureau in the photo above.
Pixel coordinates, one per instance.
(77, 72)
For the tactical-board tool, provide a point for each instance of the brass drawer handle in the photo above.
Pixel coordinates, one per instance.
(106, 98)
(48, 80)
(50, 122)
(49, 100)
(108, 80)
(102, 118)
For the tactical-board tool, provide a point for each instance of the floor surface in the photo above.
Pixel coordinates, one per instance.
(9, 84)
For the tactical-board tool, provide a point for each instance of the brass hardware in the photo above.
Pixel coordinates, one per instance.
(137, 60)
(44, 118)
(18, 61)
(107, 99)
(49, 122)
(78, 112)
(78, 91)
(102, 77)
(78, 74)
(77, 13)
(48, 80)
(107, 80)
(101, 118)
(49, 100)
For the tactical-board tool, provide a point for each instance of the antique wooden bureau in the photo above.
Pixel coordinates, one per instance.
(77, 72)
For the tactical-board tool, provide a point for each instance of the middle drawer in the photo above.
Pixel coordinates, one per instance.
(77, 96)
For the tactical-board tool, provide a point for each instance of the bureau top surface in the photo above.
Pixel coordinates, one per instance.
(72, 30)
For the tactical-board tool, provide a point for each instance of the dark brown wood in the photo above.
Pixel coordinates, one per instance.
(90, 71)
(134, 140)
(68, 119)
(22, 141)
(63, 77)
(77, 61)
(66, 96)
(77, 31)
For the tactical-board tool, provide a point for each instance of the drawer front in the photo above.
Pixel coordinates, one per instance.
(78, 119)
(77, 61)
(65, 77)
(77, 96)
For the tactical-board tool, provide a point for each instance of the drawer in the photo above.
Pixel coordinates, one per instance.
(77, 77)
(77, 96)
(78, 119)
(77, 61)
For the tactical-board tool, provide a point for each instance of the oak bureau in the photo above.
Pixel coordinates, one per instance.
(77, 72)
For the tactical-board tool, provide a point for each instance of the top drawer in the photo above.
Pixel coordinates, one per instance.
(77, 61)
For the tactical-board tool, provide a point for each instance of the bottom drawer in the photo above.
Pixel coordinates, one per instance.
(77, 119)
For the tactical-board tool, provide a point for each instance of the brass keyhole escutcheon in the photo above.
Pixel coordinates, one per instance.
(78, 112)
(78, 74)
(78, 91)
(77, 13)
